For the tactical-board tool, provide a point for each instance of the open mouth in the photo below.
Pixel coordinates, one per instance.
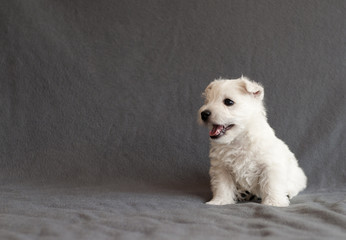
(219, 130)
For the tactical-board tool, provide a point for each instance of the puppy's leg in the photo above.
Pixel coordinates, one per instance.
(273, 187)
(223, 187)
(296, 181)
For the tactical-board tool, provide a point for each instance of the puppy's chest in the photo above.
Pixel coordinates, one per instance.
(240, 163)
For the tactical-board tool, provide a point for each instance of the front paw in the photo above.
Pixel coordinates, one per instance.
(220, 201)
(282, 202)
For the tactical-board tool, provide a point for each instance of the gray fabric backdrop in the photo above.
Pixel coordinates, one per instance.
(107, 91)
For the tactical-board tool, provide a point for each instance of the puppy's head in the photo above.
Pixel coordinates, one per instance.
(229, 107)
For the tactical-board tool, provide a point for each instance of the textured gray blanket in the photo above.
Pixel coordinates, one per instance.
(106, 212)
(98, 107)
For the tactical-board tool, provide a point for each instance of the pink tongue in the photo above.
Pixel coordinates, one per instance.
(216, 130)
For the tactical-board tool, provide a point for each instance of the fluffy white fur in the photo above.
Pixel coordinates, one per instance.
(248, 155)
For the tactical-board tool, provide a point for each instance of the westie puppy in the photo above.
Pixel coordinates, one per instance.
(246, 157)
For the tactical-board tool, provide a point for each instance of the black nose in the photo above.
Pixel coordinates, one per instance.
(205, 114)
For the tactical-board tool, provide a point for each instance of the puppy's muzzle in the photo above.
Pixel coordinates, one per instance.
(205, 115)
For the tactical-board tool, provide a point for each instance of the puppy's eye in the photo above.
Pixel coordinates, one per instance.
(228, 102)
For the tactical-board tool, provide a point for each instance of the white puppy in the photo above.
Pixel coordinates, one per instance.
(246, 156)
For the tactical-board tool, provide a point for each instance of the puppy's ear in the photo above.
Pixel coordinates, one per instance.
(254, 88)
(208, 89)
